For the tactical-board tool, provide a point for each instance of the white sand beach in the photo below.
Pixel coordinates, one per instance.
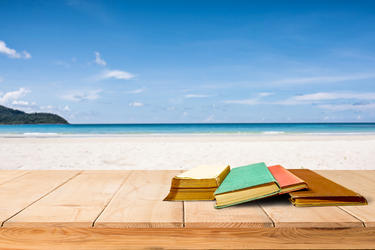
(187, 151)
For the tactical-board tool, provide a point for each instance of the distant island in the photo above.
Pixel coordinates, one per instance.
(13, 116)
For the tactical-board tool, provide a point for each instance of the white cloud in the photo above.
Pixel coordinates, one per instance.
(12, 53)
(324, 79)
(29, 107)
(264, 94)
(13, 95)
(25, 106)
(63, 63)
(8, 51)
(363, 100)
(79, 96)
(321, 99)
(116, 74)
(22, 103)
(324, 97)
(289, 101)
(46, 108)
(335, 95)
(251, 101)
(136, 104)
(196, 96)
(61, 110)
(343, 107)
(66, 63)
(99, 60)
(135, 91)
(26, 54)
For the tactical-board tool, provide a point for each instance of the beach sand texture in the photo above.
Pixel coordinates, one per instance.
(186, 151)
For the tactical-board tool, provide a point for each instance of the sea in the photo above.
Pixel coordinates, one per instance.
(186, 128)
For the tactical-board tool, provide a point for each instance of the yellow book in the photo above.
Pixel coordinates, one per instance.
(198, 183)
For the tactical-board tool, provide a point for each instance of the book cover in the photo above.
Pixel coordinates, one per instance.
(246, 183)
(288, 181)
(323, 192)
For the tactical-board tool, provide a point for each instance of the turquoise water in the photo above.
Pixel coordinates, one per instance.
(220, 128)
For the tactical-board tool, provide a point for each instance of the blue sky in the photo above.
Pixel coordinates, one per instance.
(189, 61)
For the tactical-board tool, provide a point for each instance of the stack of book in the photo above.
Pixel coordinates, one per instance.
(257, 181)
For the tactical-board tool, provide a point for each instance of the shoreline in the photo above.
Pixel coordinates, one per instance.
(188, 129)
(235, 134)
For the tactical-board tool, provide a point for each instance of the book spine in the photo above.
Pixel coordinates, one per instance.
(222, 176)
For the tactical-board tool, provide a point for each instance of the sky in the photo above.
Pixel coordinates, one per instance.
(189, 61)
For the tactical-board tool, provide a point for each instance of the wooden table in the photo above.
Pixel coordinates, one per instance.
(124, 209)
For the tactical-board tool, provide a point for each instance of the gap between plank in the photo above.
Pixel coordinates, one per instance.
(109, 201)
(269, 217)
(343, 209)
(16, 177)
(63, 183)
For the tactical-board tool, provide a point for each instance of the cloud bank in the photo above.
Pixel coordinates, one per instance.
(355, 101)
(8, 97)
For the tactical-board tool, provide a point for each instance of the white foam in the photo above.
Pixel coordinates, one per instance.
(273, 132)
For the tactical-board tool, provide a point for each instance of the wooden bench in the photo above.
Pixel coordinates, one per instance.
(124, 209)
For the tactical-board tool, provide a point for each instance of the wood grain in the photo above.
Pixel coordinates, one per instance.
(284, 214)
(77, 203)
(55, 210)
(140, 203)
(8, 175)
(362, 182)
(202, 214)
(21, 192)
(184, 238)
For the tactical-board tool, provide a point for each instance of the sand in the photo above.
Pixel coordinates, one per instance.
(187, 151)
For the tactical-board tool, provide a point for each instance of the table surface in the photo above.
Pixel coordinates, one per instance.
(134, 200)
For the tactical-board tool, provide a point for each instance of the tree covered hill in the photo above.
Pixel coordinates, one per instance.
(13, 116)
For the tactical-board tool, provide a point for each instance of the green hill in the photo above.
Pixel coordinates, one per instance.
(13, 116)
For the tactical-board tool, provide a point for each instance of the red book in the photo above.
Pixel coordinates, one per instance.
(288, 182)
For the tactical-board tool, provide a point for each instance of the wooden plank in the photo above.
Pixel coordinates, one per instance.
(8, 175)
(284, 214)
(140, 203)
(23, 191)
(185, 238)
(76, 204)
(362, 182)
(202, 214)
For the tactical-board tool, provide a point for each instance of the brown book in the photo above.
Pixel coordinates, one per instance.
(323, 192)
(288, 182)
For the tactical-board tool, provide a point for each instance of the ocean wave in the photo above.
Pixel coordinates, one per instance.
(273, 132)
